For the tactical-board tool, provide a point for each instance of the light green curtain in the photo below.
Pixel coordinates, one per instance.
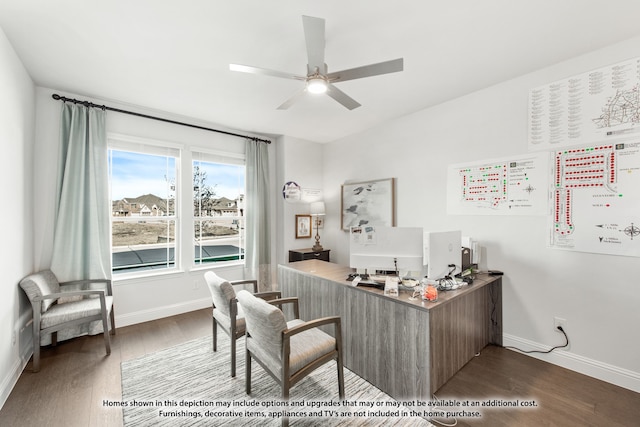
(81, 242)
(258, 226)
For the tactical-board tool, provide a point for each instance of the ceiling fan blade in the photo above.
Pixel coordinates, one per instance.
(314, 37)
(342, 97)
(386, 67)
(292, 100)
(264, 71)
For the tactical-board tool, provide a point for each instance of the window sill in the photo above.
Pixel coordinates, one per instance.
(218, 265)
(124, 279)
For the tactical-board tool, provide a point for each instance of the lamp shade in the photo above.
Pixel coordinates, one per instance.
(317, 208)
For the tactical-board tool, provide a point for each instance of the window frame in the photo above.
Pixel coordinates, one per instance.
(155, 147)
(205, 155)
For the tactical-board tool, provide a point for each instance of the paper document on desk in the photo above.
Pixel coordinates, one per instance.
(391, 286)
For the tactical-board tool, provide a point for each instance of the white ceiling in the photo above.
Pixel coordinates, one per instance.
(173, 56)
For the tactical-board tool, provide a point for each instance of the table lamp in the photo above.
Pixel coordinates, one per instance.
(317, 209)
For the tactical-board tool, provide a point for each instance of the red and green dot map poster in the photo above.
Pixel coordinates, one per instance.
(509, 186)
(595, 199)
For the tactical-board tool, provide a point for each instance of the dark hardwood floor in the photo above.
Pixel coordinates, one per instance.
(76, 377)
(563, 397)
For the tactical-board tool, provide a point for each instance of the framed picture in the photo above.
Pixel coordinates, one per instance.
(368, 203)
(303, 226)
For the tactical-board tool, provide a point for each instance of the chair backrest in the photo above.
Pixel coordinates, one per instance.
(221, 291)
(265, 322)
(39, 284)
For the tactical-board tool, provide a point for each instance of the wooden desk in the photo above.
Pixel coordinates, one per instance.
(406, 348)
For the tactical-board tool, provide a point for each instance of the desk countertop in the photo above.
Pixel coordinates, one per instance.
(339, 273)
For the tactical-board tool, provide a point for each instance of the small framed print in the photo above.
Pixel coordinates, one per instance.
(303, 226)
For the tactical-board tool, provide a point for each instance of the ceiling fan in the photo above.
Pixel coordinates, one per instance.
(318, 79)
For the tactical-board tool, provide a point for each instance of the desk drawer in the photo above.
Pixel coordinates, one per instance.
(302, 255)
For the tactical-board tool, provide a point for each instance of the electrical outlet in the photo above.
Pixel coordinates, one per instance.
(13, 338)
(559, 321)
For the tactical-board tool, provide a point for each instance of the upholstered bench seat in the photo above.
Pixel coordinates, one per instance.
(70, 311)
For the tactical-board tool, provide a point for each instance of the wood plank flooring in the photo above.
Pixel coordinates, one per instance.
(563, 397)
(76, 377)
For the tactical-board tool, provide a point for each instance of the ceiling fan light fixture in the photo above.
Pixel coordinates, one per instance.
(317, 84)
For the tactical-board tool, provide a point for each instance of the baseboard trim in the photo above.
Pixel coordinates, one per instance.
(10, 381)
(160, 312)
(593, 368)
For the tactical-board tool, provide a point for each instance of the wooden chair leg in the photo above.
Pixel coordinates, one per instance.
(233, 355)
(340, 380)
(113, 322)
(247, 370)
(215, 334)
(36, 346)
(285, 397)
(106, 333)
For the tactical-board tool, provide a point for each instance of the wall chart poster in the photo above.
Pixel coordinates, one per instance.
(595, 199)
(601, 105)
(509, 186)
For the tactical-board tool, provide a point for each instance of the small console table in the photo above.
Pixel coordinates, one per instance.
(309, 253)
(407, 348)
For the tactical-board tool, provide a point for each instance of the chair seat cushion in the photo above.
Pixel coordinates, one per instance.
(309, 346)
(69, 311)
(305, 348)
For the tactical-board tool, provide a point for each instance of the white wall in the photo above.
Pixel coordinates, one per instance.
(597, 294)
(137, 299)
(300, 161)
(17, 109)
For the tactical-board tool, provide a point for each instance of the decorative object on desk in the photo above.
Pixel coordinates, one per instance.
(303, 226)
(317, 211)
(430, 293)
(368, 203)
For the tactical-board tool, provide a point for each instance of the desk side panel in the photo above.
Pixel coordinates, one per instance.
(317, 297)
(459, 331)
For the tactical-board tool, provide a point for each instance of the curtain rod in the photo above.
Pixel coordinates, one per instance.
(117, 110)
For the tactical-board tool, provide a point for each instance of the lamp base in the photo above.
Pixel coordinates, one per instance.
(317, 247)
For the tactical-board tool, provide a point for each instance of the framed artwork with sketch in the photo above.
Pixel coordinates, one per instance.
(368, 203)
(303, 226)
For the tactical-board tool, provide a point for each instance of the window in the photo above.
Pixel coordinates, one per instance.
(218, 208)
(144, 220)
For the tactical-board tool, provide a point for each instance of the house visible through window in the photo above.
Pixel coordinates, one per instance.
(147, 197)
(144, 223)
(218, 209)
